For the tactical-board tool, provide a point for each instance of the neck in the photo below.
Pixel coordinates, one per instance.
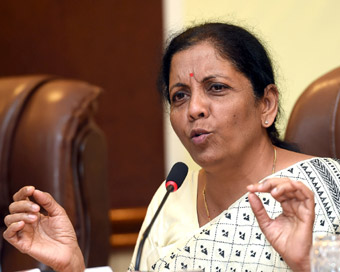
(227, 182)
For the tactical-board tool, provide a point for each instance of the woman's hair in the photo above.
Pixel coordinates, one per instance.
(234, 44)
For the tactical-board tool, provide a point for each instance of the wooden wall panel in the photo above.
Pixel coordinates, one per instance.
(115, 44)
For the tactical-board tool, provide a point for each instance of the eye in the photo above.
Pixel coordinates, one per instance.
(178, 96)
(218, 87)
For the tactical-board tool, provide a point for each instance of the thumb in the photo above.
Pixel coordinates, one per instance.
(48, 203)
(260, 213)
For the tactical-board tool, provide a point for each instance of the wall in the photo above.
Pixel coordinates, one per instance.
(302, 37)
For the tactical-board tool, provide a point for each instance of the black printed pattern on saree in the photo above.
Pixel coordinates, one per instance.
(233, 241)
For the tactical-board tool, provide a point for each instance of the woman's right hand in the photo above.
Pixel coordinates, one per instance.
(50, 239)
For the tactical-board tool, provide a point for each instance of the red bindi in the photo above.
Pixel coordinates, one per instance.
(191, 74)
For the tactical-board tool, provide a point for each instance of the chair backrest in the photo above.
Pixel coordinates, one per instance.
(314, 124)
(49, 139)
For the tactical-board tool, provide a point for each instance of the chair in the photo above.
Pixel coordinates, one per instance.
(49, 139)
(314, 124)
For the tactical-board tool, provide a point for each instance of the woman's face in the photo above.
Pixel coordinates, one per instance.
(213, 109)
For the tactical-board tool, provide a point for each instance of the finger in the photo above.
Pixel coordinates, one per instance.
(296, 200)
(308, 194)
(267, 185)
(260, 213)
(23, 206)
(26, 217)
(292, 190)
(23, 193)
(306, 191)
(281, 188)
(10, 234)
(287, 191)
(48, 203)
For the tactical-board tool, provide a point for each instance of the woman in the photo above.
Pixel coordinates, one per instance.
(223, 100)
(223, 107)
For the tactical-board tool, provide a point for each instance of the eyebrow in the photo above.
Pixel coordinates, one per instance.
(214, 76)
(179, 84)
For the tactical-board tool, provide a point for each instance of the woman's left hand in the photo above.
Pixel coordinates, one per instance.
(290, 233)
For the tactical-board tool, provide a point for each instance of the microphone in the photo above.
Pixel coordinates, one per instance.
(173, 181)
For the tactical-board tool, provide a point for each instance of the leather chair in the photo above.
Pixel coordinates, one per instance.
(314, 124)
(49, 139)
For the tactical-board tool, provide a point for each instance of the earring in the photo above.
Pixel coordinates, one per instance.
(266, 122)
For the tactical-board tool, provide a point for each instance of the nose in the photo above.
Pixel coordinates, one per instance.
(198, 106)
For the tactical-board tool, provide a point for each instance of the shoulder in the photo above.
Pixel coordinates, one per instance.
(185, 196)
(178, 217)
(189, 183)
(312, 170)
(316, 171)
(326, 166)
(287, 158)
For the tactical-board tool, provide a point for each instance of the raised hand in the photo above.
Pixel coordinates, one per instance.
(290, 233)
(49, 239)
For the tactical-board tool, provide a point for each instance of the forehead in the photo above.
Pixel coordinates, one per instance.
(201, 60)
(198, 51)
(197, 57)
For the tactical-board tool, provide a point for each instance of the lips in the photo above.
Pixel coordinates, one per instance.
(198, 136)
(198, 132)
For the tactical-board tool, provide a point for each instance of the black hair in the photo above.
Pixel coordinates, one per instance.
(235, 44)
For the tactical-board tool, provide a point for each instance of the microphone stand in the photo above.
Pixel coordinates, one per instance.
(169, 189)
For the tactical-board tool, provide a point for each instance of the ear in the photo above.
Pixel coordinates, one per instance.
(269, 105)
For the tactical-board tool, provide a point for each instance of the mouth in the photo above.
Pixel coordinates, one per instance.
(199, 135)
(198, 132)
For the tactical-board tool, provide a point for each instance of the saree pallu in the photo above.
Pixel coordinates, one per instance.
(234, 242)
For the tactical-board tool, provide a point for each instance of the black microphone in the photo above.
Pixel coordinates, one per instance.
(173, 181)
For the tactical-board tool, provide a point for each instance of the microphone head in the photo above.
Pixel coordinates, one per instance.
(176, 176)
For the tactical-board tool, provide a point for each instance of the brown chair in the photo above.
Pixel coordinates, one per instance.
(49, 139)
(314, 124)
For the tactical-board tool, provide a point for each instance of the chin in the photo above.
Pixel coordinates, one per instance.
(206, 161)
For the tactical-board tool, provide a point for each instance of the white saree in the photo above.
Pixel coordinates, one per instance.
(233, 241)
